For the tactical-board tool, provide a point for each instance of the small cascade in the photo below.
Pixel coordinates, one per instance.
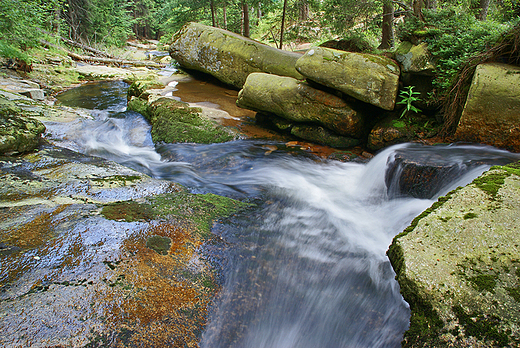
(307, 266)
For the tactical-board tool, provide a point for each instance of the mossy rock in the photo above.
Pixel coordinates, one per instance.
(18, 134)
(159, 244)
(458, 266)
(320, 135)
(137, 88)
(174, 121)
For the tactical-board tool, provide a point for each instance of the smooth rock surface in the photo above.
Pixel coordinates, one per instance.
(414, 58)
(228, 56)
(369, 78)
(297, 101)
(491, 114)
(458, 265)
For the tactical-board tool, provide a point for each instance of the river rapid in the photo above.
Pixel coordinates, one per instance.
(307, 266)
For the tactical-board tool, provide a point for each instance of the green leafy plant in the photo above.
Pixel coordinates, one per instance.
(407, 98)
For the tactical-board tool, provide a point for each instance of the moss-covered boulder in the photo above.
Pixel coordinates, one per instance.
(491, 114)
(458, 265)
(175, 121)
(414, 58)
(228, 56)
(18, 133)
(369, 78)
(297, 101)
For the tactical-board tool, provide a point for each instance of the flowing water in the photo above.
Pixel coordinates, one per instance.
(306, 267)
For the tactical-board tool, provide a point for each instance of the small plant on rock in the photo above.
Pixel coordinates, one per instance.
(408, 97)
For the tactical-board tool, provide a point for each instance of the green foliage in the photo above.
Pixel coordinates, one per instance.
(407, 98)
(453, 36)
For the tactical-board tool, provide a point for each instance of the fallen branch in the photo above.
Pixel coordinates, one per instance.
(86, 48)
(112, 61)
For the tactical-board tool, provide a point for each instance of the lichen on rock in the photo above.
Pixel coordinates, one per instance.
(458, 265)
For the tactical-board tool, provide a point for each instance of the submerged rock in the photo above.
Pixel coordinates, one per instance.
(297, 101)
(492, 111)
(458, 265)
(228, 56)
(369, 78)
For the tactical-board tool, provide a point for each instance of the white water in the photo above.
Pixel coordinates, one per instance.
(308, 266)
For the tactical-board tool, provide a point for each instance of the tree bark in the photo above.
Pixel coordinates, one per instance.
(387, 32)
(418, 5)
(212, 7)
(245, 12)
(283, 22)
(224, 15)
(484, 7)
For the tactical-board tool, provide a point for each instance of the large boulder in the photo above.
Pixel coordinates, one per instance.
(491, 114)
(458, 266)
(369, 78)
(297, 101)
(227, 56)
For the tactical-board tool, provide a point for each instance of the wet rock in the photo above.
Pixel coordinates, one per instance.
(70, 277)
(393, 130)
(492, 111)
(458, 266)
(24, 87)
(227, 56)
(297, 101)
(320, 135)
(369, 78)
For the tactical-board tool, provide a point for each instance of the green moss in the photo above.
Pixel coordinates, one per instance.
(514, 292)
(128, 211)
(140, 106)
(469, 216)
(159, 244)
(492, 182)
(123, 179)
(173, 121)
(196, 209)
(481, 326)
(483, 282)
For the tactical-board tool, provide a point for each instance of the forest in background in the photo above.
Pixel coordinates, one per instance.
(455, 30)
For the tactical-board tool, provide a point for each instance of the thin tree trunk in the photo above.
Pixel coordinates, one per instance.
(283, 22)
(417, 9)
(387, 33)
(484, 6)
(245, 10)
(224, 14)
(212, 6)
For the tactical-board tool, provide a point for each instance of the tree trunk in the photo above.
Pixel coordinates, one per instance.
(484, 6)
(283, 22)
(418, 5)
(212, 7)
(431, 4)
(304, 10)
(224, 15)
(245, 11)
(387, 34)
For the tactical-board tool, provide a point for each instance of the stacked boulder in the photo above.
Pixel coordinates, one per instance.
(325, 96)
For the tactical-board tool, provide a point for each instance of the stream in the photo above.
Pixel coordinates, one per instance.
(307, 266)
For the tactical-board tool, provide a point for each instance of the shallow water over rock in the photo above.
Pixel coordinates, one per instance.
(304, 267)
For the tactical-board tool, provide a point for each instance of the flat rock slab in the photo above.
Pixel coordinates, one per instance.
(491, 114)
(297, 101)
(227, 56)
(95, 254)
(24, 87)
(369, 78)
(458, 265)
